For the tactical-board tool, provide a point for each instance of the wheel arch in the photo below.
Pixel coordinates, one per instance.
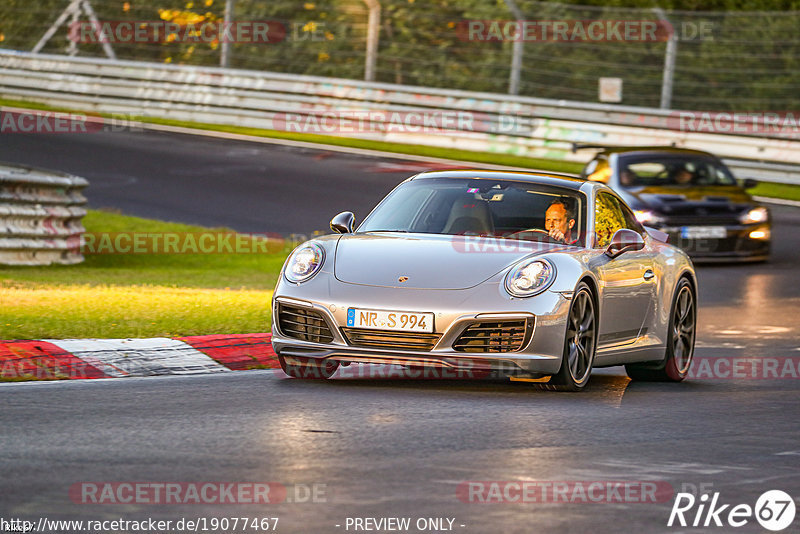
(594, 287)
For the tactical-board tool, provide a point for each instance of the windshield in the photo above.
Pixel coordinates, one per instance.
(482, 207)
(672, 170)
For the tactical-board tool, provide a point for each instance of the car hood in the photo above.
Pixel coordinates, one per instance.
(712, 197)
(429, 261)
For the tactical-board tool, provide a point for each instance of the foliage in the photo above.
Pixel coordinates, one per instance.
(746, 60)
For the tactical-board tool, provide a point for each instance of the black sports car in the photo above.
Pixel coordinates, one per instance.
(690, 195)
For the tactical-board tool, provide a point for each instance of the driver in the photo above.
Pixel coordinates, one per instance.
(684, 176)
(627, 177)
(559, 220)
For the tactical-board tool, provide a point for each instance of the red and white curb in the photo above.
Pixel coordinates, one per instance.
(56, 359)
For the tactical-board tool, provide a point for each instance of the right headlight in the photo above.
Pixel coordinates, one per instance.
(530, 277)
(755, 215)
(304, 263)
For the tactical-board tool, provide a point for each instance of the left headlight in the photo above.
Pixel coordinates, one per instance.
(647, 217)
(304, 263)
(755, 215)
(530, 277)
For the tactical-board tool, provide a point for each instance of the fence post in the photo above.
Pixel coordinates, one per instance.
(225, 56)
(669, 62)
(373, 29)
(516, 50)
(73, 9)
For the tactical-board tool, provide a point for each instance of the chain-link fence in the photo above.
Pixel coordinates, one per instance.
(733, 60)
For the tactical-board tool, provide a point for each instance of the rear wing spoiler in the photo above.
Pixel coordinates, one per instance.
(585, 146)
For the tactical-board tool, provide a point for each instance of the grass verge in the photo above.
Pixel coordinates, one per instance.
(775, 190)
(140, 295)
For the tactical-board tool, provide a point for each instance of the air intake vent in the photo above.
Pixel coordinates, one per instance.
(494, 336)
(303, 324)
(387, 339)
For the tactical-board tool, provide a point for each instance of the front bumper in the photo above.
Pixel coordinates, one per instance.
(454, 312)
(737, 245)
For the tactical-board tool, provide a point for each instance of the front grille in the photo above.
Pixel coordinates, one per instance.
(711, 219)
(303, 324)
(701, 214)
(387, 339)
(494, 336)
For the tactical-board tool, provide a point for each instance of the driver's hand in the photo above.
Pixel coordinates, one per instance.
(556, 234)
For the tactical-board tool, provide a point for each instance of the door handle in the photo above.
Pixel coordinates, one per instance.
(648, 274)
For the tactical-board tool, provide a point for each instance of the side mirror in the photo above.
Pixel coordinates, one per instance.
(749, 183)
(657, 234)
(624, 240)
(343, 223)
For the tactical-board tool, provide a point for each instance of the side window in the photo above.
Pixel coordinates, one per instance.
(608, 218)
(722, 176)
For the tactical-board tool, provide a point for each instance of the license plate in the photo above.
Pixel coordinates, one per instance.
(390, 320)
(704, 232)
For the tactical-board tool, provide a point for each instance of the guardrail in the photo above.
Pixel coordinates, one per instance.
(496, 123)
(40, 216)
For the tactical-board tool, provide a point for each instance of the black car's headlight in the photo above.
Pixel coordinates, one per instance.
(304, 263)
(755, 215)
(530, 277)
(647, 217)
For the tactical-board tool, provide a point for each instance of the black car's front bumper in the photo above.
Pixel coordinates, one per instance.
(740, 243)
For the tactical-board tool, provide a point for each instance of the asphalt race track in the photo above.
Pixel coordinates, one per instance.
(383, 447)
(249, 187)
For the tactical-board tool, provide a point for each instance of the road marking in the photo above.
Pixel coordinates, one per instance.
(140, 357)
(780, 201)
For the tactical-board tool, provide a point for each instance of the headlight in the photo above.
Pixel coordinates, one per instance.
(304, 263)
(755, 215)
(647, 217)
(530, 277)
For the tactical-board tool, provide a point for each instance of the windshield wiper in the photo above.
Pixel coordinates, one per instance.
(370, 231)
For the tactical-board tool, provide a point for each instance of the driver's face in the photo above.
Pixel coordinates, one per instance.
(556, 217)
(683, 177)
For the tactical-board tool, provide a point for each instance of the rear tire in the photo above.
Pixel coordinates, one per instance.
(680, 340)
(580, 342)
(308, 368)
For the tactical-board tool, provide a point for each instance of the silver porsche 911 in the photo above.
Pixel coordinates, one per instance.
(532, 275)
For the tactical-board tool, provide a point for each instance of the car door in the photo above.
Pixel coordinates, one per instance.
(628, 281)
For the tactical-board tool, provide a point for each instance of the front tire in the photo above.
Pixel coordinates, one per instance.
(308, 368)
(580, 343)
(680, 340)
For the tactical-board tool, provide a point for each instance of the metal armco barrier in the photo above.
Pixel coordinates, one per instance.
(40, 216)
(496, 123)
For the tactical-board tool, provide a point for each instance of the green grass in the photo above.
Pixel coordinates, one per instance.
(251, 271)
(140, 295)
(773, 190)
